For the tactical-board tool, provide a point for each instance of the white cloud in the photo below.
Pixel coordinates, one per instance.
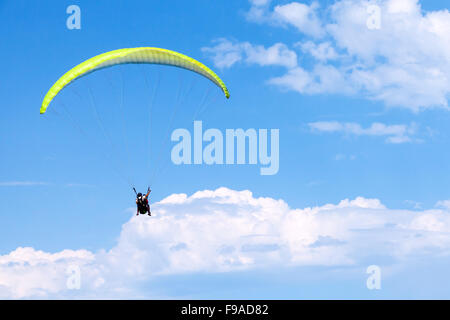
(443, 204)
(404, 63)
(226, 53)
(303, 17)
(340, 156)
(414, 204)
(226, 231)
(259, 3)
(322, 78)
(22, 183)
(394, 133)
(278, 54)
(321, 51)
(258, 11)
(26, 272)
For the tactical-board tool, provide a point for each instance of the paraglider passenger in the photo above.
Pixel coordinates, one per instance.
(143, 206)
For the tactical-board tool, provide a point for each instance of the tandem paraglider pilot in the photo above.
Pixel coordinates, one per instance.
(142, 203)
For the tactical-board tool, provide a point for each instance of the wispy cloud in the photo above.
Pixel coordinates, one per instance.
(414, 204)
(40, 183)
(399, 133)
(443, 204)
(341, 156)
(22, 183)
(81, 185)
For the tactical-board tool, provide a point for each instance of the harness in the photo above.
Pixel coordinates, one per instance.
(142, 204)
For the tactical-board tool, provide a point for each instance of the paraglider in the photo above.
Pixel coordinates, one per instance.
(142, 203)
(132, 55)
(139, 55)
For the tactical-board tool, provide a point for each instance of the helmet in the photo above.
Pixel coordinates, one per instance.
(139, 195)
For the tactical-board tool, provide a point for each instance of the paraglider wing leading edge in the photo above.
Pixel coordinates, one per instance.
(132, 55)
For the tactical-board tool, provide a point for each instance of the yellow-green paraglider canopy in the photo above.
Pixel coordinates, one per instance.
(132, 55)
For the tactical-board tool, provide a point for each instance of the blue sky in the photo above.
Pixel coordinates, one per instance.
(362, 116)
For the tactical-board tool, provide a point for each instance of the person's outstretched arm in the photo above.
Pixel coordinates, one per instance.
(148, 192)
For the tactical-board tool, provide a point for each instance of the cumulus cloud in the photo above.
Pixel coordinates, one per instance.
(320, 51)
(399, 133)
(26, 272)
(226, 53)
(403, 62)
(303, 17)
(225, 230)
(320, 79)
